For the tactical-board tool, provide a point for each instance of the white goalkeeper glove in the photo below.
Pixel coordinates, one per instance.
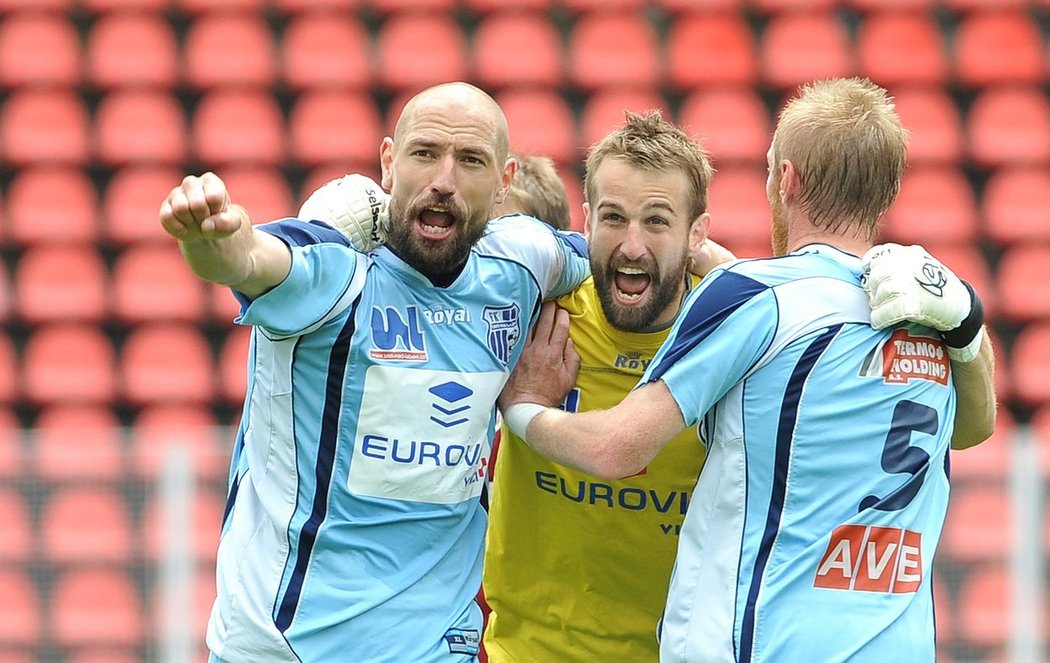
(905, 283)
(353, 204)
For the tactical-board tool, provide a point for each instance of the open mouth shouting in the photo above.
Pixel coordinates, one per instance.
(435, 222)
(630, 285)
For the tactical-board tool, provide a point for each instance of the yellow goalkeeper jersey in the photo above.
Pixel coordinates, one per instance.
(576, 567)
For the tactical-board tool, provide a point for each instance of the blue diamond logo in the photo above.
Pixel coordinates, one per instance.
(451, 392)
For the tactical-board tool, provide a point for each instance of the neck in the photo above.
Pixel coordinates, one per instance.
(847, 240)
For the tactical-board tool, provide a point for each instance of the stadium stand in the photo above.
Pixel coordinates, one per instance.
(110, 350)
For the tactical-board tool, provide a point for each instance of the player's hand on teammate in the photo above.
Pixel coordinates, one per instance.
(711, 255)
(353, 204)
(200, 209)
(548, 365)
(906, 283)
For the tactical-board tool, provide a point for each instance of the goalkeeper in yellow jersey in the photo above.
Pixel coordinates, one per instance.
(556, 575)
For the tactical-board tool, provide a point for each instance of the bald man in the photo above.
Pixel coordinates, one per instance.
(354, 529)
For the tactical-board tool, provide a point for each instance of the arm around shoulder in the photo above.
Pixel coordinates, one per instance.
(975, 410)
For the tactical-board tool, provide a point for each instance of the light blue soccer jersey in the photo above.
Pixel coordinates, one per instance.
(811, 533)
(354, 530)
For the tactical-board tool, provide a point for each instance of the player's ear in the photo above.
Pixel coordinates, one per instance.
(698, 232)
(587, 219)
(509, 169)
(386, 162)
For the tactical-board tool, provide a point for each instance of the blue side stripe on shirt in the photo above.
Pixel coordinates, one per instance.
(781, 459)
(707, 312)
(322, 473)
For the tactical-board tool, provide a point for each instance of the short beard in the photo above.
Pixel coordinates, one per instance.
(662, 294)
(439, 261)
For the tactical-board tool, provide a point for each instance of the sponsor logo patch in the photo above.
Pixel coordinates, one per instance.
(462, 641)
(867, 558)
(905, 357)
(396, 337)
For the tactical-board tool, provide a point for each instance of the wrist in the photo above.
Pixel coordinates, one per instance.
(969, 330)
(517, 417)
(968, 353)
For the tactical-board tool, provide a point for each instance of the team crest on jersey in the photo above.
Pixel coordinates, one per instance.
(503, 329)
(397, 337)
(463, 641)
(905, 357)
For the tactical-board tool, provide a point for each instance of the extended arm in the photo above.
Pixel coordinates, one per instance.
(217, 239)
(907, 283)
(611, 443)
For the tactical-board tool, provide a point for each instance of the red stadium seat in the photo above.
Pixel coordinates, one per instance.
(44, 125)
(330, 126)
(61, 283)
(295, 7)
(935, 204)
(739, 208)
(966, 6)
(193, 427)
(541, 122)
(1016, 205)
(36, 215)
(778, 6)
(896, 48)
(1009, 125)
(12, 455)
(9, 367)
(415, 50)
(38, 48)
(6, 294)
(618, 49)
(516, 48)
(264, 192)
(86, 525)
(995, 48)
(232, 126)
(679, 7)
(140, 126)
(586, 6)
(207, 512)
(104, 7)
(398, 6)
(7, 6)
(979, 525)
(1023, 293)
(151, 282)
(21, 625)
(131, 202)
(229, 49)
(734, 124)
(891, 5)
(710, 48)
(72, 363)
(17, 535)
(604, 110)
(1030, 365)
(167, 363)
(132, 49)
(935, 127)
(78, 443)
(222, 305)
(204, 7)
(233, 364)
(329, 50)
(96, 608)
(984, 615)
(799, 47)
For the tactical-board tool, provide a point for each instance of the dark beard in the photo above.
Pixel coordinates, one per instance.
(662, 293)
(441, 262)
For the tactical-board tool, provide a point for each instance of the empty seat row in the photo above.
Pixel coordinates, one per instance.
(416, 48)
(1003, 125)
(159, 363)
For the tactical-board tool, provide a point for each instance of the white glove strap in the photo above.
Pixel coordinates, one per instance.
(518, 417)
(969, 353)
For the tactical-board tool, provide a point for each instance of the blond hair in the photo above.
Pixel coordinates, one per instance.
(848, 147)
(538, 191)
(647, 141)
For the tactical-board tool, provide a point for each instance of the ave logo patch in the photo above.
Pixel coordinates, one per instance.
(867, 558)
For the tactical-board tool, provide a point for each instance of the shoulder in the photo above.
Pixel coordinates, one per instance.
(527, 239)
